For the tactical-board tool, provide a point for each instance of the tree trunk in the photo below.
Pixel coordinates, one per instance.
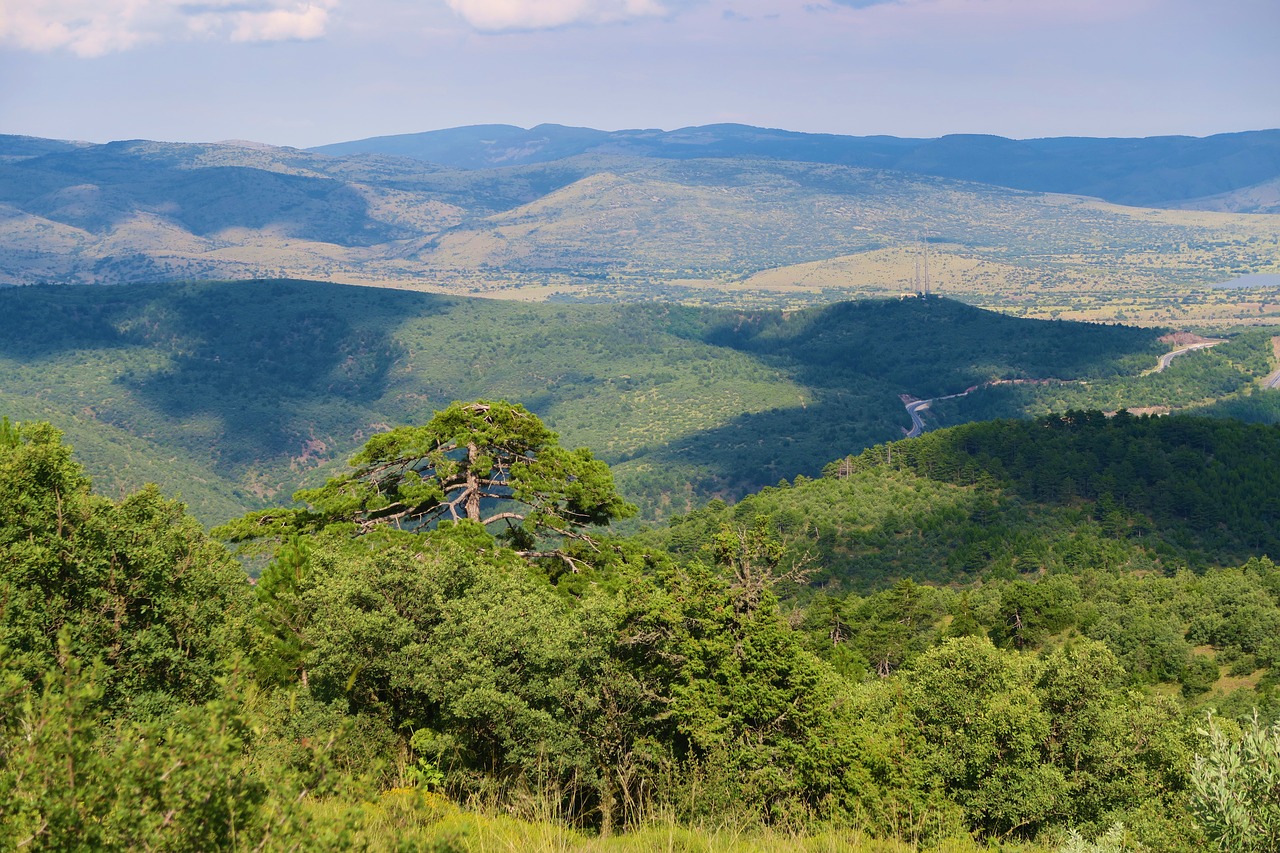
(607, 802)
(472, 502)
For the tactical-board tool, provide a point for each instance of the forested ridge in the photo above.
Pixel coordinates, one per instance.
(232, 395)
(1203, 489)
(995, 636)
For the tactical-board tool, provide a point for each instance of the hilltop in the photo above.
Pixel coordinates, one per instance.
(1161, 171)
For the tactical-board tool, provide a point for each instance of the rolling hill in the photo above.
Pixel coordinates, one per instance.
(1159, 171)
(234, 394)
(615, 224)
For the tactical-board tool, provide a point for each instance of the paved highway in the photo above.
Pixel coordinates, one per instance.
(917, 424)
(1170, 356)
(915, 407)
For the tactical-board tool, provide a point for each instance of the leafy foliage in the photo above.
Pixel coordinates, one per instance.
(488, 463)
(1236, 786)
(728, 680)
(136, 582)
(123, 719)
(1208, 486)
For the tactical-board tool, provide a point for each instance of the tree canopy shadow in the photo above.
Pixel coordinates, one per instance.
(240, 371)
(100, 188)
(855, 359)
(932, 345)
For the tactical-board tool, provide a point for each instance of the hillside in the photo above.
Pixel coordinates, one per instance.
(1076, 667)
(1152, 172)
(1019, 498)
(235, 394)
(1221, 379)
(614, 225)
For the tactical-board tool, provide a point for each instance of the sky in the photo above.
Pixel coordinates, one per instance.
(310, 72)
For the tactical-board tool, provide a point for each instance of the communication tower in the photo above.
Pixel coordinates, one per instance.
(922, 265)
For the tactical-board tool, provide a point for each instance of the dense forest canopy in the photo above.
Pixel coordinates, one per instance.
(805, 664)
(234, 395)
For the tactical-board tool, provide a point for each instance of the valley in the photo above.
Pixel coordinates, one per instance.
(483, 426)
(794, 493)
(621, 223)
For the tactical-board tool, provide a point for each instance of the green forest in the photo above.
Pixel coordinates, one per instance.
(1058, 634)
(233, 395)
(1220, 379)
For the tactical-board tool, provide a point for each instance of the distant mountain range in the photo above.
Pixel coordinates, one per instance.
(713, 214)
(1161, 171)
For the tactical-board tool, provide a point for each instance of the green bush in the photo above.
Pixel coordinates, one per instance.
(1236, 788)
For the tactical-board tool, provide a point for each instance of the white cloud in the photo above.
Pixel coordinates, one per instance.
(90, 28)
(303, 22)
(498, 15)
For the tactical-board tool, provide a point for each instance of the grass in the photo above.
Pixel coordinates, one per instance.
(406, 819)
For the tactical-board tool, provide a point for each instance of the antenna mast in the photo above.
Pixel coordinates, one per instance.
(922, 265)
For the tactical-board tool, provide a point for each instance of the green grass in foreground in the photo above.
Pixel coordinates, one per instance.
(408, 819)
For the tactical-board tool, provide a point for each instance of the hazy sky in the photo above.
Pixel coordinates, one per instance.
(316, 71)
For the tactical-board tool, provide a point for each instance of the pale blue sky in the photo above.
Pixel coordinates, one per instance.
(317, 71)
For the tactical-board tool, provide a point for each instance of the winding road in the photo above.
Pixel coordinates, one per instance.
(1170, 356)
(914, 407)
(1273, 381)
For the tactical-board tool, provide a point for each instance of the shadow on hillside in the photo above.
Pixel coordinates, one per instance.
(101, 188)
(855, 359)
(280, 365)
(757, 450)
(39, 322)
(239, 371)
(933, 346)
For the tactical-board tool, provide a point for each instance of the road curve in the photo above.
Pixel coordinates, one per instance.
(917, 423)
(914, 407)
(1273, 381)
(1170, 356)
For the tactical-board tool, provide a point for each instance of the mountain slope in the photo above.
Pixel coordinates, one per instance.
(1154, 172)
(1263, 197)
(605, 227)
(235, 394)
